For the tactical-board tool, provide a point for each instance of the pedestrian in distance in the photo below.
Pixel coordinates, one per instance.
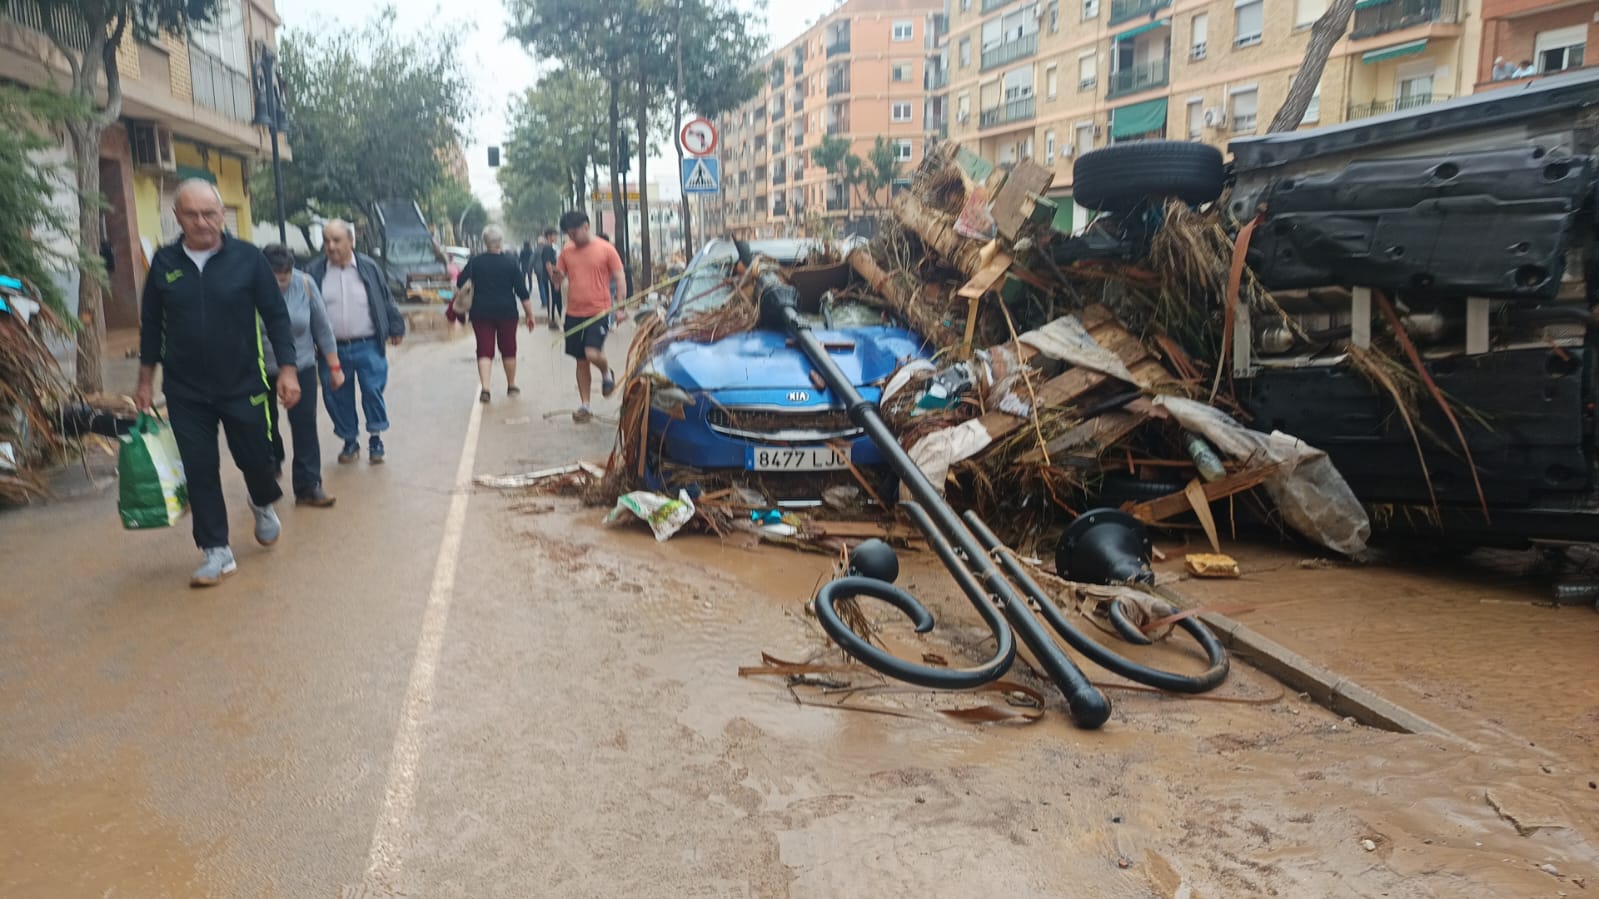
(365, 322)
(207, 299)
(313, 338)
(1502, 69)
(1525, 70)
(525, 260)
(547, 259)
(498, 281)
(590, 272)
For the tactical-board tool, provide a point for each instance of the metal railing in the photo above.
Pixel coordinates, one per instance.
(1140, 78)
(837, 128)
(777, 110)
(837, 48)
(1123, 10)
(835, 88)
(1009, 111)
(779, 209)
(1397, 14)
(936, 80)
(1010, 51)
(28, 14)
(835, 204)
(1382, 107)
(218, 87)
(779, 177)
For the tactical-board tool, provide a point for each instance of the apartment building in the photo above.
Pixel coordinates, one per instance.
(869, 68)
(188, 103)
(1546, 37)
(1049, 80)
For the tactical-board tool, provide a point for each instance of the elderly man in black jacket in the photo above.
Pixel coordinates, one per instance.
(202, 300)
(365, 322)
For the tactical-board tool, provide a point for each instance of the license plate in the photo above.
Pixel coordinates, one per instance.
(793, 458)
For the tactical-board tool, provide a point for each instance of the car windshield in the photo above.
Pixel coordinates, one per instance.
(707, 287)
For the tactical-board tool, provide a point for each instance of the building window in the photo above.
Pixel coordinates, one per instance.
(965, 52)
(1054, 16)
(1306, 12)
(1051, 82)
(966, 5)
(1201, 36)
(1049, 147)
(1561, 49)
(1313, 111)
(1087, 71)
(1090, 9)
(1085, 138)
(900, 112)
(963, 107)
(901, 71)
(1248, 18)
(219, 64)
(1244, 105)
(902, 150)
(904, 31)
(1196, 119)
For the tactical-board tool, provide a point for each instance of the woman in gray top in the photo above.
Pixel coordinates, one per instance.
(312, 336)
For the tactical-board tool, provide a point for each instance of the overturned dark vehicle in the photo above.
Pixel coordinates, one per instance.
(1465, 233)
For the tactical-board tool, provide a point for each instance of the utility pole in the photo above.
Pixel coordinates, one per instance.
(271, 111)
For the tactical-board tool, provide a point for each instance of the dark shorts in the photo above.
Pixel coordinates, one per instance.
(488, 333)
(590, 338)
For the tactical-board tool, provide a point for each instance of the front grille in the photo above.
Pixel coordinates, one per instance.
(799, 425)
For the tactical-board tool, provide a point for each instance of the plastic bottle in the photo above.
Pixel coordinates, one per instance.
(1205, 458)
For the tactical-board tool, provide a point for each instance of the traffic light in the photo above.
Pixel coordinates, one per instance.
(494, 157)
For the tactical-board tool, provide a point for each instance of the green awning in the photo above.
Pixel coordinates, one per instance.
(1394, 52)
(1147, 26)
(1138, 118)
(186, 172)
(1367, 4)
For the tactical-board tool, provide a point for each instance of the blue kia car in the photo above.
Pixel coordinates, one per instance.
(745, 409)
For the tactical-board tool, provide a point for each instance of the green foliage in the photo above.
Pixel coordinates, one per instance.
(26, 191)
(558, 130)
(371, 114)
(721, 45)
(454, 210)
(882, 167)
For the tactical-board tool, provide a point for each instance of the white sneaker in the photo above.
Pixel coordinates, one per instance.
(218, 564)
(267, 526)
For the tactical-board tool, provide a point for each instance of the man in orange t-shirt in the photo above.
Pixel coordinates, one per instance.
(589, 273)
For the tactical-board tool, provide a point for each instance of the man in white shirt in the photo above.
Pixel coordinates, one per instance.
(365, 322)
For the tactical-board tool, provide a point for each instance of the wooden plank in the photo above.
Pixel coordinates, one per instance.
(1158, 510)
(1014, 201)
(1057, 391)
(984, 280)
(1201, 506)
(1091, 436)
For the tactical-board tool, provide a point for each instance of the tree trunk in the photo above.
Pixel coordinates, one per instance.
(91, 301)
(646, 261)
(618, 184)
(1328, 30)
(677, 129)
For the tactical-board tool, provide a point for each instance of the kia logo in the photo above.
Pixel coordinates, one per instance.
(799, 396)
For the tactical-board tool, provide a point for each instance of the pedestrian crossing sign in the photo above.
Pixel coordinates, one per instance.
(702, 175)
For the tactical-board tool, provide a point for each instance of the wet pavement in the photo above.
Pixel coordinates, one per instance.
(428, 691)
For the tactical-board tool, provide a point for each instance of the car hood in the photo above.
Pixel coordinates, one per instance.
(765, 359)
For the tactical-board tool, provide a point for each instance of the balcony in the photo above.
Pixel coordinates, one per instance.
(1148, 76)
(777, 110)
(1383, 107)
(799, 140)
(1374, 17)
(936, 80)
(837, 127)
(218, 87)
(1010, 111)
(1127, 10)
(991, 5)
(779, 209)
(1010, 51)
(779, 177)
(837, 49)
(837, 204)
(834, 88)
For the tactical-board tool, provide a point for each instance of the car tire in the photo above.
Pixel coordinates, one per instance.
(1118, 177)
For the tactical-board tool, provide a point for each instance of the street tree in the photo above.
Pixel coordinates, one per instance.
(881, 170)
(557, 133)
(1327, 31)
(86, 34)
(835, 155)
(27, 191)
(372, 115)
(452, 208)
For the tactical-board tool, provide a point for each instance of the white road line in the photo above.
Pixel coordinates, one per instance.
(386, 857)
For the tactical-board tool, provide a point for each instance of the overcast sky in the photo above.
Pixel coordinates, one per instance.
(499, 68)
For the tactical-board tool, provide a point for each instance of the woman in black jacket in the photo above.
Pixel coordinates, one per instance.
(497, 284)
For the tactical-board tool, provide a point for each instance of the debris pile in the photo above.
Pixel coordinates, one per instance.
(32, 391)
(1066, 372)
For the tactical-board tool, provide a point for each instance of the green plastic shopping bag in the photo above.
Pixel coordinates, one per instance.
(153, 492)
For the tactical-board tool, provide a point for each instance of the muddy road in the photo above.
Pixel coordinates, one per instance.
(431, 691)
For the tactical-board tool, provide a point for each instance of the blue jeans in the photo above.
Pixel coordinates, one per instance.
(363, 362)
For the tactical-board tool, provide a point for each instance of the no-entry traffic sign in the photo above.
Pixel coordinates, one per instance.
(698, 137)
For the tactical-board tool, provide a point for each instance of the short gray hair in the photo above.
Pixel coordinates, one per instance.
(189, 185)
(493, 237)
(342, 225)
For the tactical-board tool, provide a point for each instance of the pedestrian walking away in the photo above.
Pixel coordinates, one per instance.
(313, 338)
(547, 260)
(207, 299)
(497, 283)
(525, 261)
(365, 323)
(590, 272)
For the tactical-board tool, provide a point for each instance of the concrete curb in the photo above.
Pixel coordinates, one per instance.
(1327, 687)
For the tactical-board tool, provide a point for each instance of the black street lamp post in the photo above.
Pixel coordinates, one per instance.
(272, 113)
